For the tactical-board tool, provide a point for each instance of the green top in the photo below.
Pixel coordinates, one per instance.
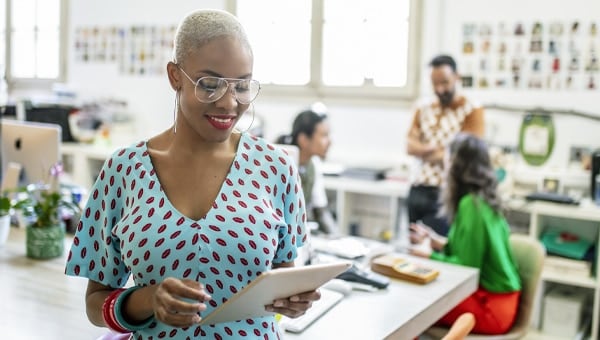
(478, 238)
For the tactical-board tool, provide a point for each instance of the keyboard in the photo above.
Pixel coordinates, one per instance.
(329, 298)
(551, 197)
(344, 247)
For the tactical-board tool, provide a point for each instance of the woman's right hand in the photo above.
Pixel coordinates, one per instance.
(178, 302)
(418, 233)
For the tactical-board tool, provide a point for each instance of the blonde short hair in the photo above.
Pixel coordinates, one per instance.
(202, 26)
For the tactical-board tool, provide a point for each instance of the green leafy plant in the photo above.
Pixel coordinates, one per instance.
(42, 204)
(5, 205)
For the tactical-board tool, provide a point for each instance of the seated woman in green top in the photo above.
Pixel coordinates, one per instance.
(478, 237)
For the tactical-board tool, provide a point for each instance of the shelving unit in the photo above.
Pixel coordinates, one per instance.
(375, 206)
(583, 220)
(82, 162)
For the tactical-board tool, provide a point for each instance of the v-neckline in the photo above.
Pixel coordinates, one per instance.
(154, 176)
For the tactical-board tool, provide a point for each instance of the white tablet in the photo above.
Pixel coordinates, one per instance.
(275, 284)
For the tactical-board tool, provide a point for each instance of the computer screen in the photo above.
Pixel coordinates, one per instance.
(35, 146)
(51, 114)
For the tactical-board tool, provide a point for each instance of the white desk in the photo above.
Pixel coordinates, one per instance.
(369, 203)
(402, 311)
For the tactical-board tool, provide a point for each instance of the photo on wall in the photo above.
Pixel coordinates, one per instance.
(536, 55)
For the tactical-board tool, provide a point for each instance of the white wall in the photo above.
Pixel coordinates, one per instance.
(503, 127)
(363, 130)
(150, 98)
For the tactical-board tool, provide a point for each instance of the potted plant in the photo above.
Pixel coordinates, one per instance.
(5, 205)
(43, 208)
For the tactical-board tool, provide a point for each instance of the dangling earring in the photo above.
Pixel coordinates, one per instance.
(252, 121)
(175, 111)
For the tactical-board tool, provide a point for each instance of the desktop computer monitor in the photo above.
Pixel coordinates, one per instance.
(35, 146)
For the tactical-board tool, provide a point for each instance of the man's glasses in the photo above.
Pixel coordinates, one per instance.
(211, 89)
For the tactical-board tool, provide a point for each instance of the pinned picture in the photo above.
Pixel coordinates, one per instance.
(550, 184)
(467, 81)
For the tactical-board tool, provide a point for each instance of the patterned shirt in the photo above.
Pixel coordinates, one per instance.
(129, 227)
(438, 125)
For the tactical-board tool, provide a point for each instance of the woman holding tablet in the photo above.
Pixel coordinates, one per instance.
(197, 212)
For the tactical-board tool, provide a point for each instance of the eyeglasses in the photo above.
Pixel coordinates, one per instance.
(210, 89)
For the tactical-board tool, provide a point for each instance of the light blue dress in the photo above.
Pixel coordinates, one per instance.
(129, 227)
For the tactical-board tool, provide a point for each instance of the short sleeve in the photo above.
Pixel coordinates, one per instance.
(95, 252)
(475, 122)
(294, 214)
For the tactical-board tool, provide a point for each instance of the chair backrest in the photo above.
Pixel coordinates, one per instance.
(529, 254)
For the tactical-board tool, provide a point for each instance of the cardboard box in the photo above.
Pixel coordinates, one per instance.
(563, 307)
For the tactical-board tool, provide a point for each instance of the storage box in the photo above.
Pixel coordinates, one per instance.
(565, 244)
(563, 308)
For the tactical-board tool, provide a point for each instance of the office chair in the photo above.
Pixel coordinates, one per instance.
(529, 254)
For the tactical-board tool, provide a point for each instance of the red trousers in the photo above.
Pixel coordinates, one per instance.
(494, 312)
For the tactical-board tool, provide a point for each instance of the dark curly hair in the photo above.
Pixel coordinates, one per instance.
(470, 172)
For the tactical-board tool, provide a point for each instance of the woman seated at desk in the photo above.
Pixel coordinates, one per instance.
(478, 237)
(310, 133)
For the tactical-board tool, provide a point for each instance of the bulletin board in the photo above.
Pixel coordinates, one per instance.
(559, 55)
(138, 50)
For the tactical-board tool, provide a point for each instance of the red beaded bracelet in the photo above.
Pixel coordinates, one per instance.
(108, 311)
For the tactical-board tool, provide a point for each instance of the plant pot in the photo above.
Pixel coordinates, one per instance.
(46, 242)
(4, 229)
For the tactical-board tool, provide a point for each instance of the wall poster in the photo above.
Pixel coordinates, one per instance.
(137, 50)
(556, 55)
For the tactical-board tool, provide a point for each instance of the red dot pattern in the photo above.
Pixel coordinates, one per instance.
(129, 227)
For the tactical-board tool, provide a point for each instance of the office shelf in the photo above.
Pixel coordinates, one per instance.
(376, 207)
(553, 275)
(582, 220)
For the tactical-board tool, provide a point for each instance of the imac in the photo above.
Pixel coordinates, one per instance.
(35, 146)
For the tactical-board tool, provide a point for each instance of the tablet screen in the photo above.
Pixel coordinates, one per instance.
(275, 284)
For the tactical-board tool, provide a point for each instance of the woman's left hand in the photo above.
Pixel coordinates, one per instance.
(294, 306)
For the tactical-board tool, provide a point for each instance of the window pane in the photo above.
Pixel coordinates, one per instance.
(23, 54)
(3, 90)
(47, 54)
(35, 39)
(365, 40)
(280, 40)
(344, 32)
(48, 13)
(23, 14)
(2, 35)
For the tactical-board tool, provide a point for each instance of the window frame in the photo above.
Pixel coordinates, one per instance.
(17, 83)
(315, 87)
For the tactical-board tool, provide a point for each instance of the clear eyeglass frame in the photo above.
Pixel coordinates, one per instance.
(209, 89)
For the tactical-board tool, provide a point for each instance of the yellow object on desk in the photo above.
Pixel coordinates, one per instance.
(398, 267)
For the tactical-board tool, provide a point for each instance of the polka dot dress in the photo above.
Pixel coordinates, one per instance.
(129, 228)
